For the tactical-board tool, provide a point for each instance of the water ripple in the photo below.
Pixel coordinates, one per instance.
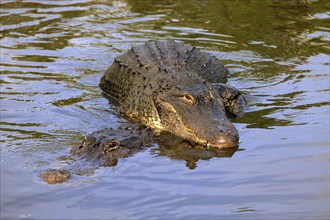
(53, 54)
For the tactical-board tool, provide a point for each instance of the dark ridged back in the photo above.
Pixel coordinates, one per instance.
(157, 61)
(153, 68)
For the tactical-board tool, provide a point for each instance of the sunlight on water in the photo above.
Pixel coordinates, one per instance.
(53, 54)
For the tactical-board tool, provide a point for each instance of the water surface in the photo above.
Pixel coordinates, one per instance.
(53, 54)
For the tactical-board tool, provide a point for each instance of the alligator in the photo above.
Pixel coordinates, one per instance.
(174, 95)
(101, 148)
(172, 86)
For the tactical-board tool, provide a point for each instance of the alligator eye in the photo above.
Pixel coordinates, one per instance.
(188, 98)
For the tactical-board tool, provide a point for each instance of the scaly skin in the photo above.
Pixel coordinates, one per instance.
(167, 85)
(101, 148)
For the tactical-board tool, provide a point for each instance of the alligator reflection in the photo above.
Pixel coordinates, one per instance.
(177, 148)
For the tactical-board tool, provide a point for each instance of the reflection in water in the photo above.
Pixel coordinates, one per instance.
(53, 54)
(177, 148)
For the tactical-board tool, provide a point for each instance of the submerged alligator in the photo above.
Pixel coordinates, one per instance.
(171, 88)
(106, 146)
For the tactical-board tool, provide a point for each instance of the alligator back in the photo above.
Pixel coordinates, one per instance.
(165, 56)
(157, 66)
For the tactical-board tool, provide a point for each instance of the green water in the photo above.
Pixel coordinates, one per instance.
(53, 54)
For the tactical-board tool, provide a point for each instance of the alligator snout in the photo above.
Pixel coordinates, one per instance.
(219, 133)
(224, 136)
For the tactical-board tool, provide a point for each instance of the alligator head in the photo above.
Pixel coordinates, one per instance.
(196, 113)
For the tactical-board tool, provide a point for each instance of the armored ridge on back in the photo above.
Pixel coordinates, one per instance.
(172, 86)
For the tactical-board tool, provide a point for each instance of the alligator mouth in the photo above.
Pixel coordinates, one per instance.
(220, 139)
(225, 142)
(172, 141)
